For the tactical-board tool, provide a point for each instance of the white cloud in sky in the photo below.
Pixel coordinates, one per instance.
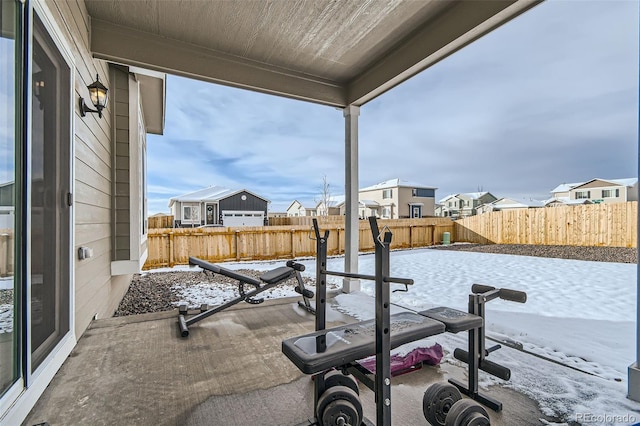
(549, 97)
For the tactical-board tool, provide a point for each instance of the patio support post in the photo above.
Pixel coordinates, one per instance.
(351, 234)
(634, 369)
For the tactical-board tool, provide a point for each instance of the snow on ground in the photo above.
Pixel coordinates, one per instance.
(578, 313)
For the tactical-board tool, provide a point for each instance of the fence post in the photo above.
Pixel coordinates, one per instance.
(237, 244)
(172, 256)
(338, 235)
(293, 248)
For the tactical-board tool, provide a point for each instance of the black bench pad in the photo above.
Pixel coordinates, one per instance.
(223, 271)
(351, 342)
(454, 320)
(276, 275)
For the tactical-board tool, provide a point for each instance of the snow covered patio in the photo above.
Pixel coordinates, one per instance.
(576, 331)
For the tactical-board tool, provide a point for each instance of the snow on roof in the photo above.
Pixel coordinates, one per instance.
(474, 195)
(567, 201)
(305, 206)
(511, 203)
(212, 193)
(448, 197)
(393, 183)
(364, 203)
(565, 187)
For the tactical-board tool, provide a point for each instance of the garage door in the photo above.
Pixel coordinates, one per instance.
(242, 218)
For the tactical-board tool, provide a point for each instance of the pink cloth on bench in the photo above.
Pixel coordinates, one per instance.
(414, 359)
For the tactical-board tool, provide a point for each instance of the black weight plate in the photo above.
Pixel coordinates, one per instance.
(337, 409)
(336, 378)
(467, 413)
(438, 400)
(338, 393)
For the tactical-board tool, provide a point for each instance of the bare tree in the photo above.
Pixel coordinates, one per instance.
(325, 198)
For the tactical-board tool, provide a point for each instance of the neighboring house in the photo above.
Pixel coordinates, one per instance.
(564, 201)
(599, 190)
(276, 214)
(464, 204)
(398, 199)
(219, 206)
(296, 208)
(366, 208)
(509, 204)
(332, 207)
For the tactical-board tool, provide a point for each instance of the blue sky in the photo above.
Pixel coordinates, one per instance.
(548, 98)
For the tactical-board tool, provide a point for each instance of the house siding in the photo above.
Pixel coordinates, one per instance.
(235, 202)
(122, 198)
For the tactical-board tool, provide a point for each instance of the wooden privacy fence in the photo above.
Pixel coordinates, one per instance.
(6, 252)
(613, 225)
(168, 247)
(306, 220)
(155, 222)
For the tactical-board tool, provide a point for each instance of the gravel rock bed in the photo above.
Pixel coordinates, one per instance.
(153, 292)
(597, 254)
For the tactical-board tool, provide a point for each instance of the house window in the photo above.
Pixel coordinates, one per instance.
(581, 195)
(423, 192)
(610, 193)
(386, 212)
(191, 213)
(387, 193)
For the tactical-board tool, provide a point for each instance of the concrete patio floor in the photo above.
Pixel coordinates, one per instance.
(137, 370)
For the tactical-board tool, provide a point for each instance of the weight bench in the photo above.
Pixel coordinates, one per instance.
(266, 281)
(331, 355)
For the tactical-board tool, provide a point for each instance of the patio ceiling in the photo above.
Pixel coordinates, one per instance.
(335, 53)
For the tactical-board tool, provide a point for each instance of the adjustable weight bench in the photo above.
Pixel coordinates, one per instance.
(331, 355)
(266, 281)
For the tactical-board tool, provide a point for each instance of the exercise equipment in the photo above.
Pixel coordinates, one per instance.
(266, 281)
(324, 351)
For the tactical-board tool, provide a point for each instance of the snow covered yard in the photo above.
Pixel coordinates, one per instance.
(577, 328)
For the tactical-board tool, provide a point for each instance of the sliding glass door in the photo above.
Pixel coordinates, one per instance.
(50, 195)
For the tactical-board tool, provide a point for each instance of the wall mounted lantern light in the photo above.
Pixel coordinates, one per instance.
(99, 95)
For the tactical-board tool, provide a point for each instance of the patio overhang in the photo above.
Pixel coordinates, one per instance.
(332, 53)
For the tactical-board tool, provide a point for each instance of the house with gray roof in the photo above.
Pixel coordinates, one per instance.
(218, 206)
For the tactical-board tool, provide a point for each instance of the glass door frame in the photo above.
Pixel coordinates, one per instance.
(46, 369)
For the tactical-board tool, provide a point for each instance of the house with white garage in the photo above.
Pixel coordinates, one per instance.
(219, 206)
